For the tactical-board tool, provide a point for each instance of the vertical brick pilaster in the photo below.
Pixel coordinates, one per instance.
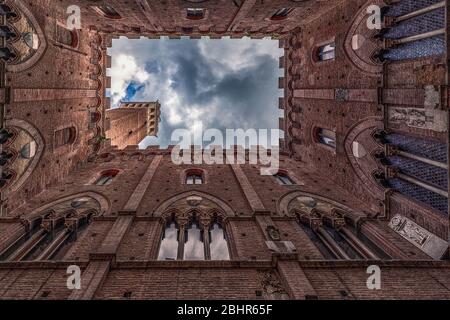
(136, 198)
(295, 280)
(91, 279)
(244, 10)
(250, 193)
(263, 222)
(115, 235)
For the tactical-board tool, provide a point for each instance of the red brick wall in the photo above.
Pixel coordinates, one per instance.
(128, 126)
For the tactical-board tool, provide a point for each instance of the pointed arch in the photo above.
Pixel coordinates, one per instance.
(39, 142)
(229, 212)
(285, 200)
(104, 203)
(364, 165)
(25, 11)
(360, 44)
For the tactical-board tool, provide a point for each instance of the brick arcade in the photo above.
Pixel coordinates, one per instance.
(363, 176)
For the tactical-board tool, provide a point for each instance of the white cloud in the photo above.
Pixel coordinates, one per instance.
(154, 64)
(237, 54)
(124, 70)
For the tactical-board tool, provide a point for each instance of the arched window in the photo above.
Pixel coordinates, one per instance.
(107, 11)
(218, 243)
(23, 147)
(194, 177)
(53, 230)
(327, 228)
(169, 243)
(194, 246)
(190, 240)
(26, 43)
(420, 170)
(195, 13)
(405, 41)
(64, 136)
(326, 137)
(281, 14)
(325, 52)
(106, 177)
(284, 179)
(66, 37)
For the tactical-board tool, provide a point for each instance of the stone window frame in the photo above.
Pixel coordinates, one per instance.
(102, 13)
(195, 18)
(25, 125)
(279, 15)
(23, 9)
(184, 219)
(194, 171)
(73, 136)
(116, 173)
(317, 140)
(285, 173)
(75, 36)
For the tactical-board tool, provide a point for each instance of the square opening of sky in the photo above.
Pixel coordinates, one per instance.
(218, 83)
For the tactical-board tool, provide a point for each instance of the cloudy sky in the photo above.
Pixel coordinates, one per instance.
(223, 84)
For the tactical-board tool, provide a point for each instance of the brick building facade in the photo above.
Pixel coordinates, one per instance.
(364, 161)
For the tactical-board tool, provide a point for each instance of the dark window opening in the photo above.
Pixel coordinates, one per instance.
(195, 13)
(326, 52)
(106, 177)
(281, 14)
(64, 136)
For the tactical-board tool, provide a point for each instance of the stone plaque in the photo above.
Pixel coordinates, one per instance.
(423, 118)
(418, 236)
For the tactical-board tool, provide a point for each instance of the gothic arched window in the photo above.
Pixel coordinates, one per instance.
(416, 31)
(192, 236)
(194, 244)
(22, 148)
(420, 169)
(326, 226)
(169, 244)
(218, 243)
(53, 230)
(26, 42)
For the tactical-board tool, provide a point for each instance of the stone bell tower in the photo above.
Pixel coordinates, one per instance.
(132, 122)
